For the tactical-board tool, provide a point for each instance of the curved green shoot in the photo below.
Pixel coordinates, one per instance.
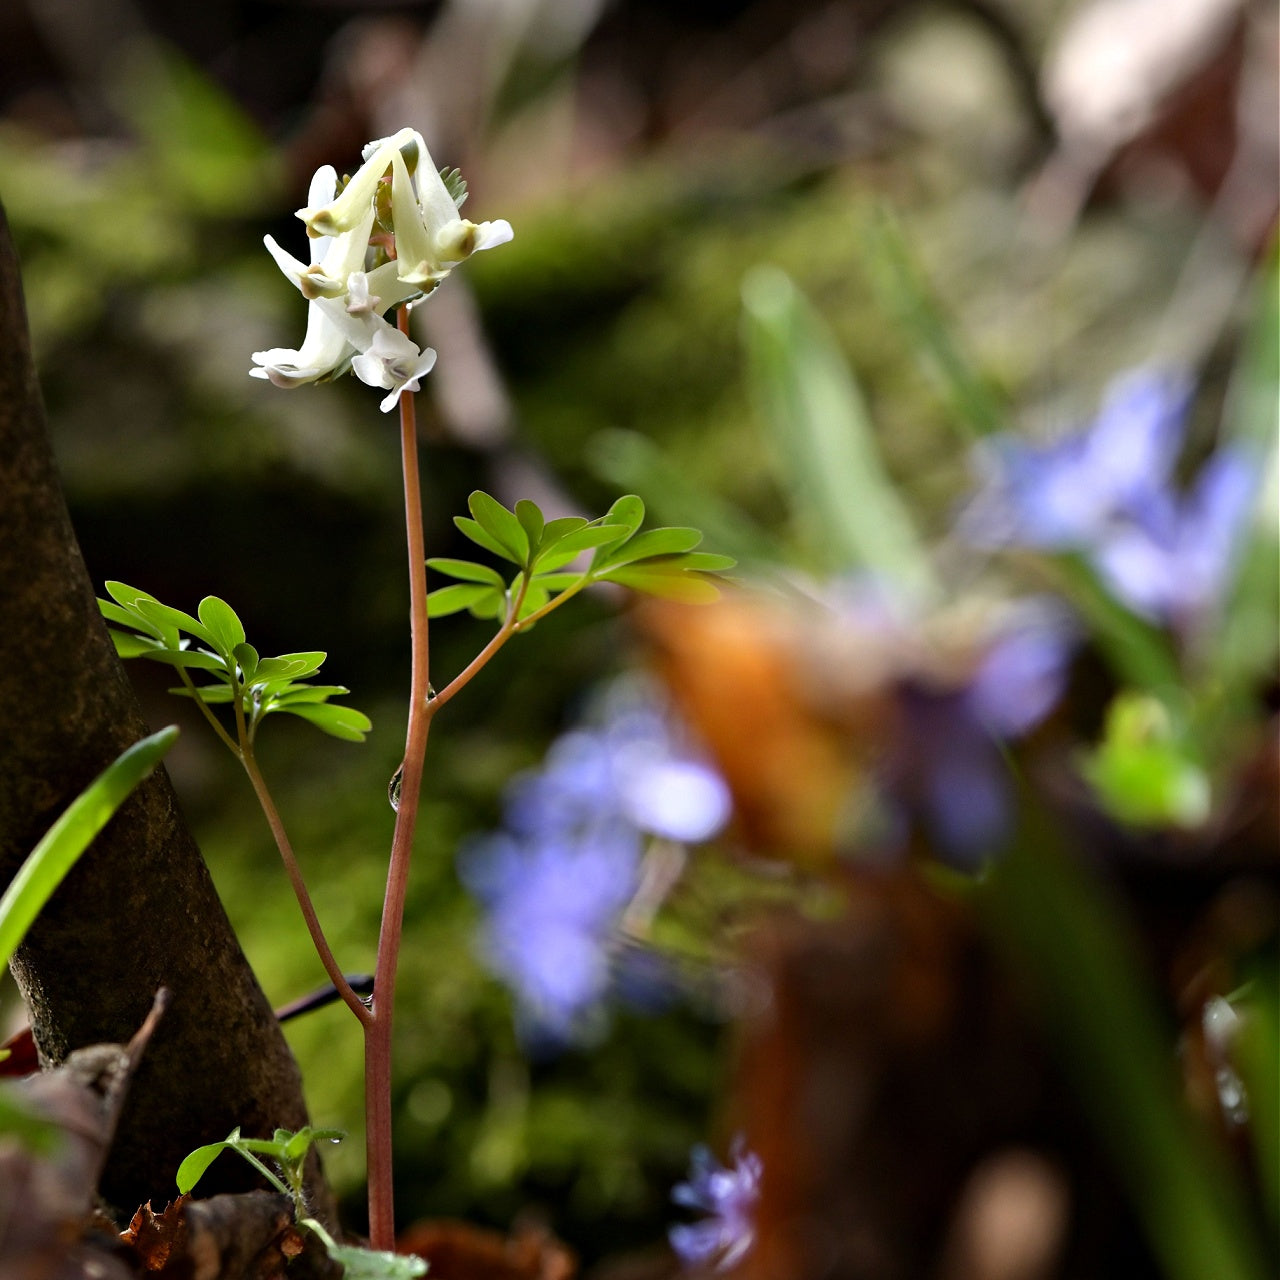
(64, 842)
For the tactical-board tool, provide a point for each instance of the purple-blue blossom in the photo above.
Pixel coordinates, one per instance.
(1109, 492)
(1172, 561)
(952, 773)
(552, 906)
(1064, 495)
(728, 1196)
(556, 881)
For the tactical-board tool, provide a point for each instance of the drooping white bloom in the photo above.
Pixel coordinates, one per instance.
(392, 361)
(360, 301)
(324, 354)
(336, 275)
(346, 302)
(431, 238)
(333, 258)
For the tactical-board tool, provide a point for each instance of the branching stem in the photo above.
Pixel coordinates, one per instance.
(538, 614)
(294, 872)
(464, 677)
(207, 712)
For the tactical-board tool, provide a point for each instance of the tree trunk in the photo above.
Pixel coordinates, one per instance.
(139, 911)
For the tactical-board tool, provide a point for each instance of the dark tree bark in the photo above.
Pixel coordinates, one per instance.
(139, 911)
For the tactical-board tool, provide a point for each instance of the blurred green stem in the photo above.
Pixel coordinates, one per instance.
(1070, 945)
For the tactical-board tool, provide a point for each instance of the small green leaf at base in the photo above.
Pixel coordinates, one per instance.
(370, 1264)
(194, 1167)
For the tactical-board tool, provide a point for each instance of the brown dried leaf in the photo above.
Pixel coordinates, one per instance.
(156, 1238)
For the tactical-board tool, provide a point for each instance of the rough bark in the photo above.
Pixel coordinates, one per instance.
(139, 911)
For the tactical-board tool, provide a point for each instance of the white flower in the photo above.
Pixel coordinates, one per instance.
(430, 237)
(335, 273)
(345, 328)
(333, 258)
(360, 302)
(393, 361)
(323, 355)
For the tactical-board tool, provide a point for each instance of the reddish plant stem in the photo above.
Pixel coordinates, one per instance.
(478, 663)
(320, 942)
(378, 1028)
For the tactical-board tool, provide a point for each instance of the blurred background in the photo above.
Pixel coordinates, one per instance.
(993, 210)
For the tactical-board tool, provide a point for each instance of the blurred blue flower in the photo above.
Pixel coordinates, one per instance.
(567, 865)
(1173, 560)
(729, 1196)
(1109, 493)
(1064, 495)
(953, 773)
(552, 906)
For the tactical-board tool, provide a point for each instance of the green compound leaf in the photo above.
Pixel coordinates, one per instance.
(286, 1148)
(64, 842)
(628, 512)
(224, 626)
(554, 582)
(290, 666)
(265, 684)
(707, 561)
(561, 527)
(308, 693)
(126, 596)
(501, 525)
(665, 578)
(127, 618)
(553, 554)
(129, 645)
(213, 694)
(532, 522)
(339, 722)
(196, 658)
(467, 570)
(173, 620)
(535, 596)
(463, 595)
(656, 542)
(247, 656)
(483, 538)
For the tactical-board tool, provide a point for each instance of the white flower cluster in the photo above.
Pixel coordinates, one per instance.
(346, 300)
